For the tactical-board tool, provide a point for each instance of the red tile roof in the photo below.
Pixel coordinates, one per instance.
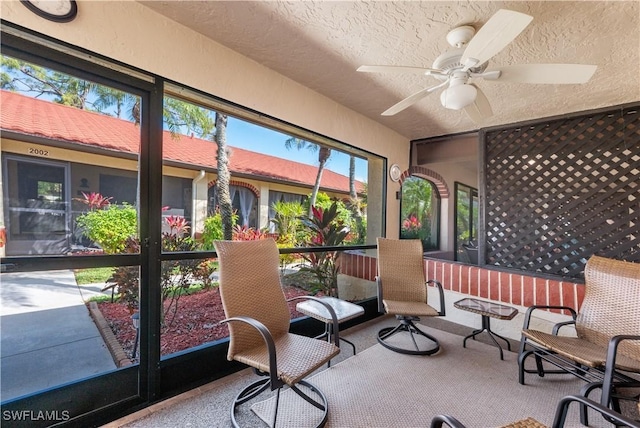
(31, 116)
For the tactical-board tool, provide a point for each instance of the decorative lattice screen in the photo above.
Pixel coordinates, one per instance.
(558, 191)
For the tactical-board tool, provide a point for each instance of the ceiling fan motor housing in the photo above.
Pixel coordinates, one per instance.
(449, 62)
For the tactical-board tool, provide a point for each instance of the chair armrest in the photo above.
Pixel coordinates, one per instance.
(527, 315)
(610, 365)
(558, 326)
(438, 420)
(563, 408)
(441, 292)
(332, 312)
(268, 340)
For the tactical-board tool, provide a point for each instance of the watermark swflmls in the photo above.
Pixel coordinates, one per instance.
(36, 415)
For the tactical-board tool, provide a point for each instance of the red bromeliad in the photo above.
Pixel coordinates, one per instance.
(94, 200)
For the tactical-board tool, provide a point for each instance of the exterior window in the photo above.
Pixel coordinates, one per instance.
(420, 212)
(121, 188)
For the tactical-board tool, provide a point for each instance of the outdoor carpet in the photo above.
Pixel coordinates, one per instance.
(382, 388)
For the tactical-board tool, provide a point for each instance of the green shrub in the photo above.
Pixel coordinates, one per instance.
(213, 230)
(110, 227)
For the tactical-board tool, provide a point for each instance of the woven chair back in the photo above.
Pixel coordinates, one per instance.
(401, 270)
(611, 304)
(250, 286)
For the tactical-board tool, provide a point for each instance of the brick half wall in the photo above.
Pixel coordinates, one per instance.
(507, 287)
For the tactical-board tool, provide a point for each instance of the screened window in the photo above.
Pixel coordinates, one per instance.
(419, 210)
(466, 226)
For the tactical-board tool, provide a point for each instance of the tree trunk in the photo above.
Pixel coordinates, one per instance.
(224, 176)
(354, 200)
(323, 155)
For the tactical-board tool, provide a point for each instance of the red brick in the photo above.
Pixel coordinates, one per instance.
(540, 286)
(568, 294)
(440, 275)
(470, 285)
(505, 287)
(527, 288)
(482, 276)
(516, 289)
(554, 295)
(493, 278)
(494, 288)
(346, 264)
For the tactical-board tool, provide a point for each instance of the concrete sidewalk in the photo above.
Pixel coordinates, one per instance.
(47, 337)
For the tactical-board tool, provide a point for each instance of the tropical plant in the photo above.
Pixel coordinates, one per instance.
(344, 215)
(245, 233)
(411, 227)
(204, 273)
(287, 218)
(110, 227)
(326, 231)
(212, 230)
(176, 275)
(126, 279)
(94, 200)
(416, 198)
(324, 153)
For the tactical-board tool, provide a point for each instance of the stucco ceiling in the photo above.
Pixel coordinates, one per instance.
(320, 44)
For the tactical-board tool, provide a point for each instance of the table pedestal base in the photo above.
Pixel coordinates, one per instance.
(486, 326)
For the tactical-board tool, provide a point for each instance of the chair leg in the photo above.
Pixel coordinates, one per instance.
(522, 357)
(585, 391)
(406, 325)
(258, 387)
(249, 392)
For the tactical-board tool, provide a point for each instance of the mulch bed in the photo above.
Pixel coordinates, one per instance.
(196, 322)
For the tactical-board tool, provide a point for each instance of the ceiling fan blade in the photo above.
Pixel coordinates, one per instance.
(546, 73)
(410, 100)
(480, 108)
(500, 30)
(396, 69)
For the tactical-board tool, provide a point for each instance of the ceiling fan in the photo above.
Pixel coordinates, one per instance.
(469, 60)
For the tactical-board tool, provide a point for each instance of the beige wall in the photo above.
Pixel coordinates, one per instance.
(129, 32)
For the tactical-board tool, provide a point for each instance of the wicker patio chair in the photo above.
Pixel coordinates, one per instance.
(258, 316)
(402, 291)
(558, 421)
(606, 351)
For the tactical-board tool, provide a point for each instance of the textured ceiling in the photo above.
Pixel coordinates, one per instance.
(320, 44)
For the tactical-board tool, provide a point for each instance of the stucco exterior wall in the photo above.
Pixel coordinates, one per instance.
(130, 32)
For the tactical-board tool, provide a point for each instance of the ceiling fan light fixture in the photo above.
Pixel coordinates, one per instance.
(458, 97)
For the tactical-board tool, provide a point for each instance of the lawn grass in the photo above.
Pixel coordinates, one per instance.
(195, 288)
(92, 275)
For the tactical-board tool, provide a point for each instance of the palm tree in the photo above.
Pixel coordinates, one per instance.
(224, 176)
(354, 200)
(323, 155)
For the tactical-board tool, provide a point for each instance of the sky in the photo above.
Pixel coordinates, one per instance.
(245, 135)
